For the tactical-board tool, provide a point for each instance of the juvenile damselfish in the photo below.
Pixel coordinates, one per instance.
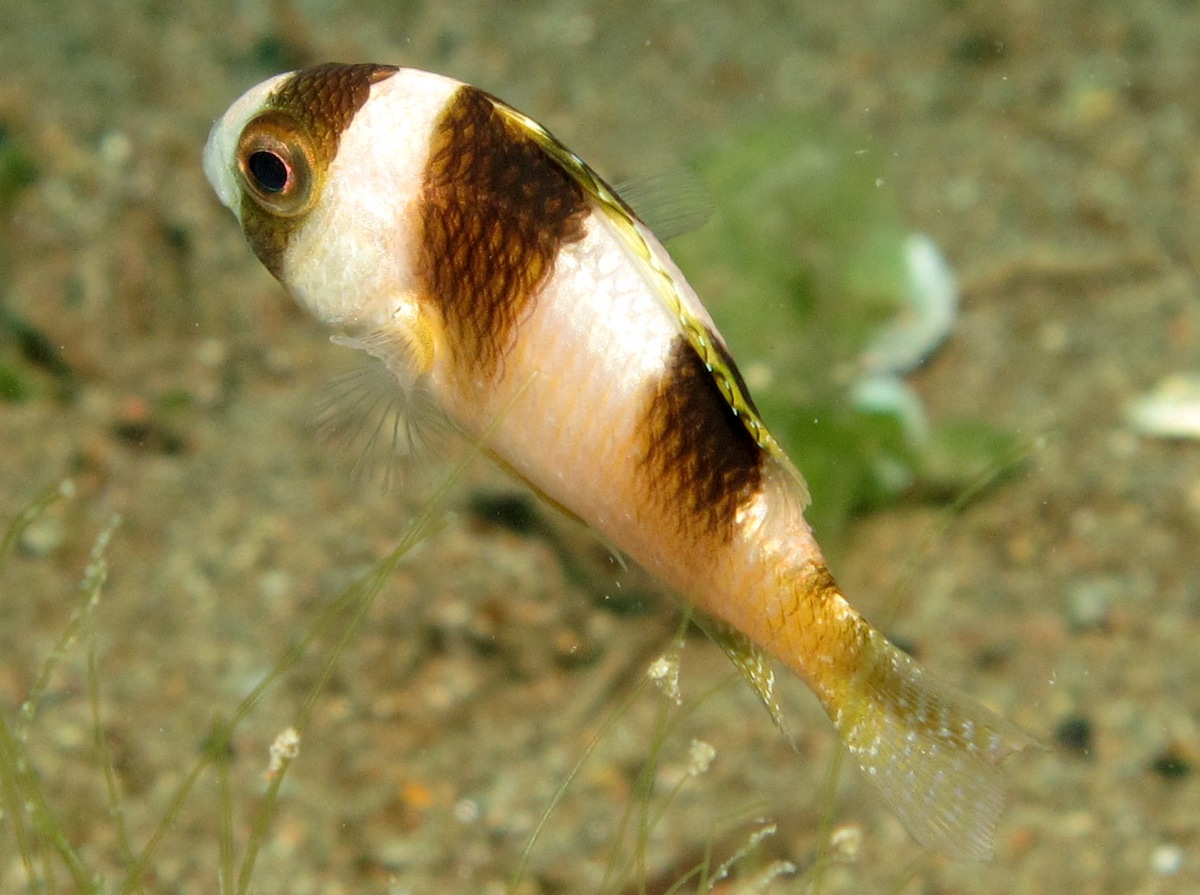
(489, 268)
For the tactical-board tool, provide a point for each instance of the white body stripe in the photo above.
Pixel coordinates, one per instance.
(342, 278)
(569, 406)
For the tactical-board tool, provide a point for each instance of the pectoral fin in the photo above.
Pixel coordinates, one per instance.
(380, 409)
(405, 342)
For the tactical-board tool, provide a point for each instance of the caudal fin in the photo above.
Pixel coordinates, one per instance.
(933, 752)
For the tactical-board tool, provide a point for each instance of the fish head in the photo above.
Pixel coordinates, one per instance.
(220, 151)
(321, 167)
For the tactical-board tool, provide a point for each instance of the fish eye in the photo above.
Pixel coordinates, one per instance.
(275, 161)
(269, 171)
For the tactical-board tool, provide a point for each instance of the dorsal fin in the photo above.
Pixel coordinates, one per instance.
(669, 204)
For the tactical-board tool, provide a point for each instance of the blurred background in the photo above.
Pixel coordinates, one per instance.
(1032, 539)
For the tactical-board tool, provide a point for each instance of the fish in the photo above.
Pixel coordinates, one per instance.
(492, 271)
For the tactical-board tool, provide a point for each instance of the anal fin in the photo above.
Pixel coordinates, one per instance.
(751, 662)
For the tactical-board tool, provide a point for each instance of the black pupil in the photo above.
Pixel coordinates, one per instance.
(269, 171)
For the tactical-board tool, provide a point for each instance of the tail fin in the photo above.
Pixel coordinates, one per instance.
(934, 753)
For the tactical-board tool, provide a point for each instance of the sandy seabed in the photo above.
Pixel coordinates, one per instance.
(1050, 150)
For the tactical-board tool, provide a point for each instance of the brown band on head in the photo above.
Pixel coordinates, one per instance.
(324, 99)
(700, 462)
(316, 105)
(496, 210)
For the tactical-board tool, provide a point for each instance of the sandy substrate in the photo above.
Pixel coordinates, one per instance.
(1049, 149)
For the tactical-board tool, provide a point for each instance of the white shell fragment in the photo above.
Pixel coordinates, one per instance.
(909, 338)
(889, 394)
(1169, 410)
(919, 328)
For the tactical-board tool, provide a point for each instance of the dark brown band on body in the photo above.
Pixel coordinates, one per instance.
(700, 462)
(314, 106)
(495, 212)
